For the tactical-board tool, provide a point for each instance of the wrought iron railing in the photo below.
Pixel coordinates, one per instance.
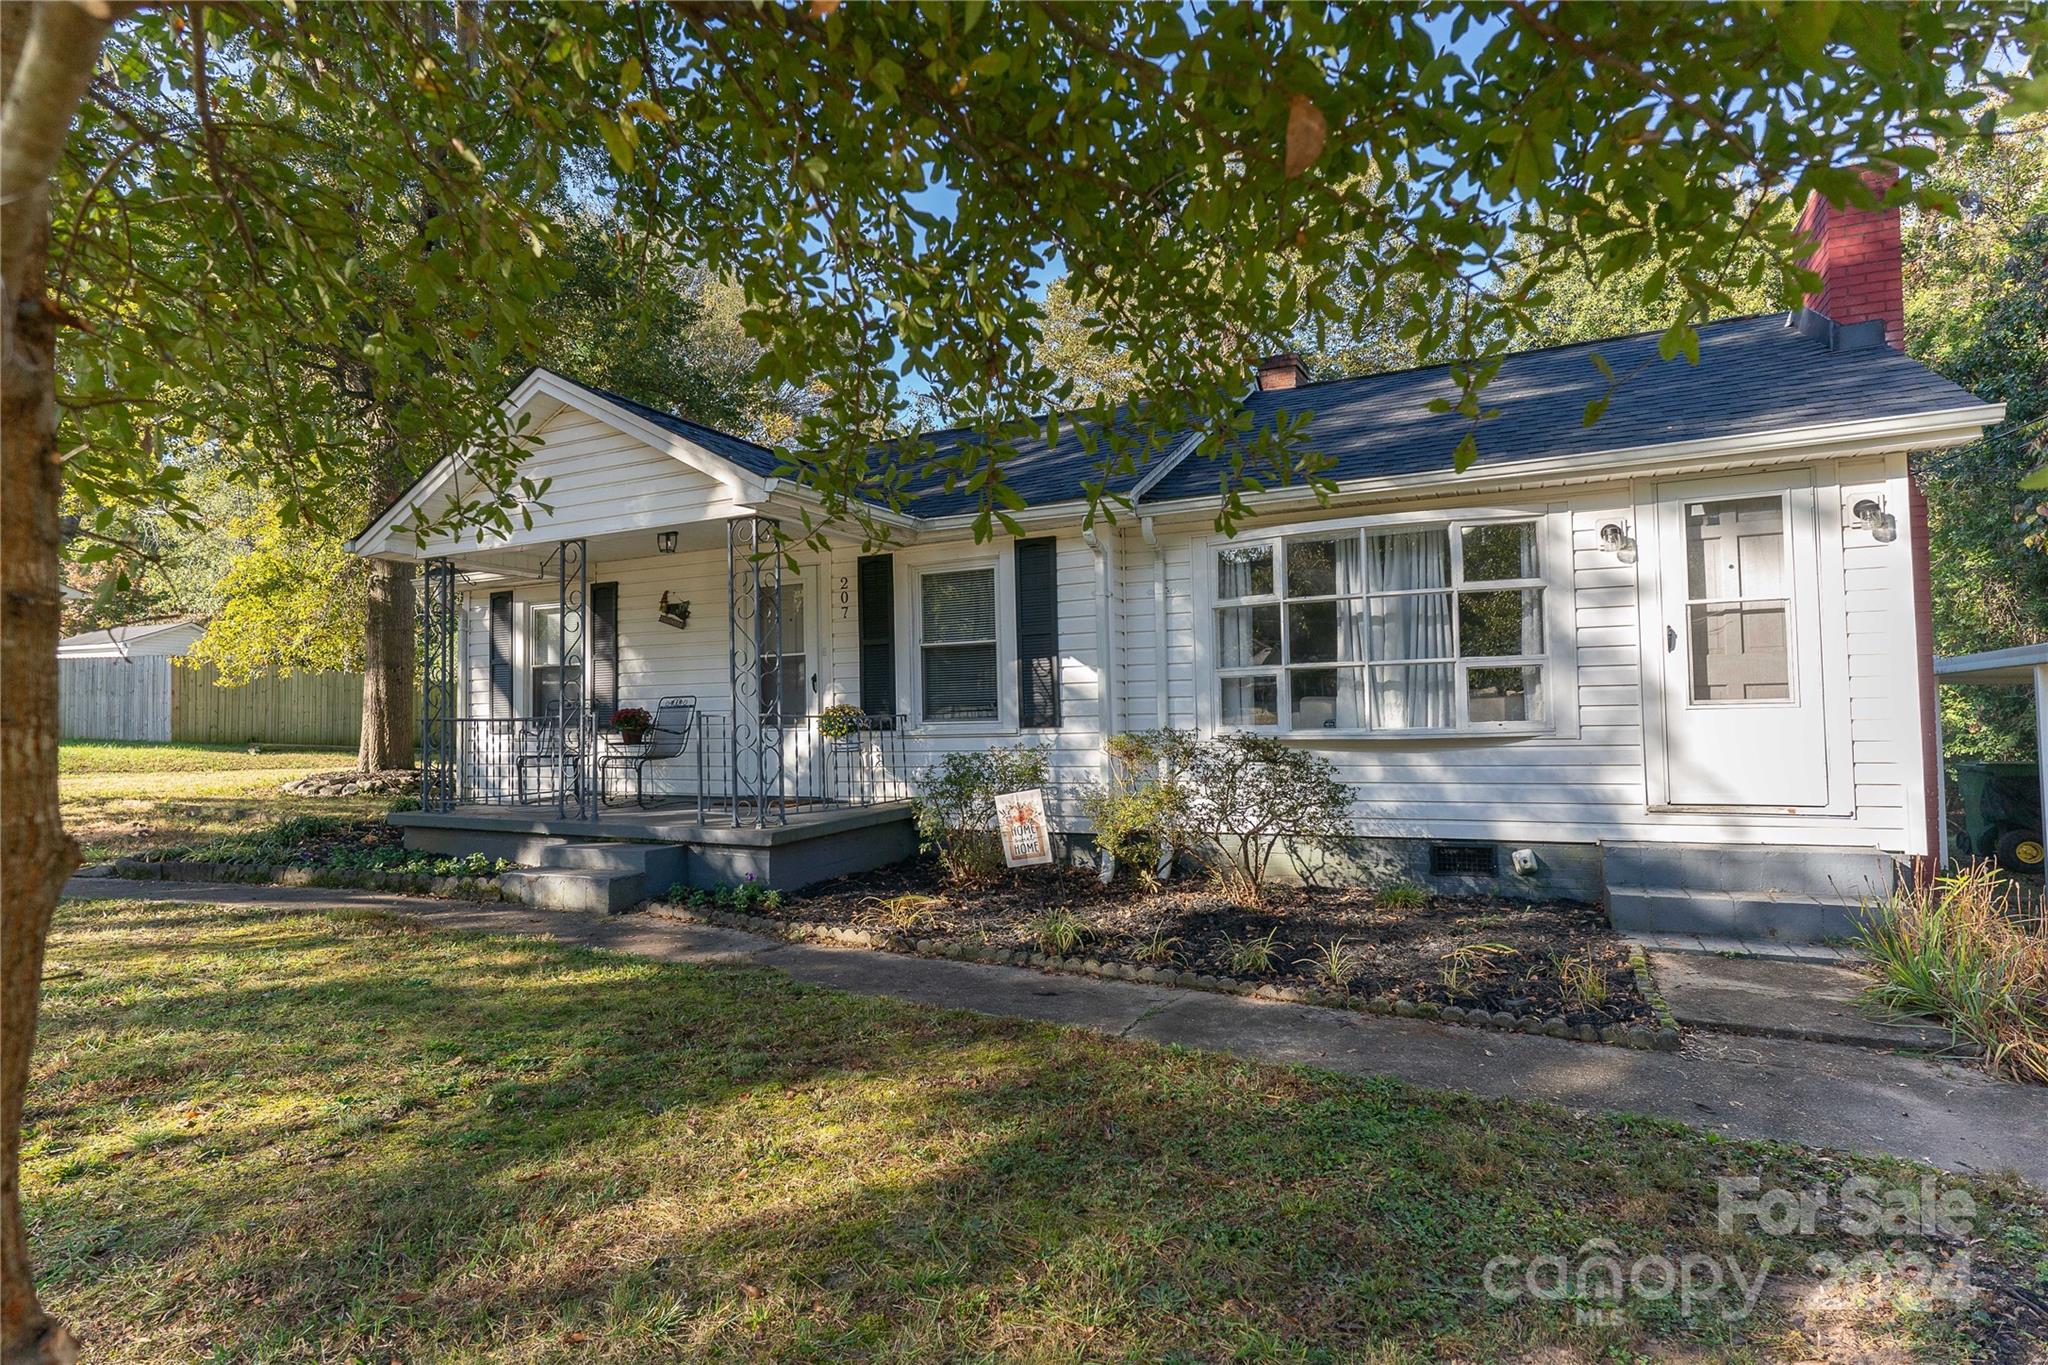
(523, 762)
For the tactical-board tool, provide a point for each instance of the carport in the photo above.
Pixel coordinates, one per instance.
(2016, 667)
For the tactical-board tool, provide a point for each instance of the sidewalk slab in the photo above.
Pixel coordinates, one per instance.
(1742, 947)
(1779, 998)
(1784, 1090)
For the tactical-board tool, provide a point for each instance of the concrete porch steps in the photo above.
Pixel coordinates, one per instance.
(1794, 894)
(606, 877)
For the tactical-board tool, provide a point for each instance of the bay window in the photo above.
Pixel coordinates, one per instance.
(1397, 628)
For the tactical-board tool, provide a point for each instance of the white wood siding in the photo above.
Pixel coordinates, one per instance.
(604, 481)
(657, 660)
(1589, 781)
(1593, 785)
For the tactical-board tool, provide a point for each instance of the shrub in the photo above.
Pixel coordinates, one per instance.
(1229, 803)
(955, 806)
(1142, 817)
(1971, 952)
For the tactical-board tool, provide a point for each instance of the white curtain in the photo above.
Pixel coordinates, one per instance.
(1412, 696)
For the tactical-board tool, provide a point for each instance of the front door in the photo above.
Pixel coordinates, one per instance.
(1743, 705)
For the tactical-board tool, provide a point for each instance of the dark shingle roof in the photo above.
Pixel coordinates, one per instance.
(1039, 474)
(1754, 375)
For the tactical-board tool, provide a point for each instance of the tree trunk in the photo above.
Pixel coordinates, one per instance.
(46, 58)
(390, 645)
(389, 650)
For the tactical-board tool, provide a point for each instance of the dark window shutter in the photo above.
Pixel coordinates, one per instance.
(878, 634)
(501, 654)
(604, 651)
(1038, 633)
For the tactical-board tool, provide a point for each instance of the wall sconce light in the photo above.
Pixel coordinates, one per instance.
(665, 542)
(675, 614)
(1615, 539)
(1882, 525)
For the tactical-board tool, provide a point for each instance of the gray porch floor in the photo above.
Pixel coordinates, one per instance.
(813, 844)
(676, 824)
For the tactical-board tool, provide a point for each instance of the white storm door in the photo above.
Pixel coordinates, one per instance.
(1744, 711)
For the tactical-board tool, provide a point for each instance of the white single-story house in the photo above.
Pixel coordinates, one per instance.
(1678, 660)
(141, 640)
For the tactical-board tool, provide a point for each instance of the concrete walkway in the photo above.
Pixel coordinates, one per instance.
(1764, 997)
(1786, 1090)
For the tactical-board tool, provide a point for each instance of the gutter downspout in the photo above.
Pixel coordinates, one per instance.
(1105, 632)
(1151, 534)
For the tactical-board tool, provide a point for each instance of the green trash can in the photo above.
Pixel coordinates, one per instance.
(2002, 813)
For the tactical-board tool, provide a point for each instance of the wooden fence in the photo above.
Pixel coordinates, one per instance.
(150, 699)
(114, 698)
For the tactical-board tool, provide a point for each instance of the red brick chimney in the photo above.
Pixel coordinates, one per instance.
(1862, 297)
(1284, 371)
(1858, 259)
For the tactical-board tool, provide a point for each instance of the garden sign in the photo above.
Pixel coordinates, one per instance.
(1021, 818)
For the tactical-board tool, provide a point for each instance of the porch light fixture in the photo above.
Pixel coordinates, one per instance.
(1882, 525)
(665, 542)
(1614, 537)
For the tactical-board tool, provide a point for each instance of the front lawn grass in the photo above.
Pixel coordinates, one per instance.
(79, 756)
(121, 799)
(255, 1135)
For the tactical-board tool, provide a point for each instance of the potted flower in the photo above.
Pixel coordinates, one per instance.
(632, 723)
(842, 724)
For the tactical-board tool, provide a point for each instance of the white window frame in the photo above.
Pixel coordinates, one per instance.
(808, 644)
(1555, 570)
(526, 662)
(1789, 596)
(910, 654)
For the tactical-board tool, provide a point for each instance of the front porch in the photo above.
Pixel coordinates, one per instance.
(536, 659)
(810, 844)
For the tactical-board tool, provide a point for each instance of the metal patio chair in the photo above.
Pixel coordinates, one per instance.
(675, 718)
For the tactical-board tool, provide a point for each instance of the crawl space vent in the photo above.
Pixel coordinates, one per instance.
(1464, 860)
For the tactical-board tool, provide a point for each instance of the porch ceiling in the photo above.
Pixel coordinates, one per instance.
(526, 563)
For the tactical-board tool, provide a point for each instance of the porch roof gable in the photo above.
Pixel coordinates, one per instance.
(744, 467)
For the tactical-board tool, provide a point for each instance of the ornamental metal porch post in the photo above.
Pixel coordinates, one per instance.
(575, 754)
(438, 608)
(753, 568)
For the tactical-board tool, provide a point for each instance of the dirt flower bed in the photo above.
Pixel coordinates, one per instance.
(1556, 959)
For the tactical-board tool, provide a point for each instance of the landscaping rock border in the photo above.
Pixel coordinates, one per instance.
(352, 782)
(1664, 1038)
(1646, 982)
(413, 883)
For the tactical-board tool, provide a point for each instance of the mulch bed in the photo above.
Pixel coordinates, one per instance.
(1472, 952)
